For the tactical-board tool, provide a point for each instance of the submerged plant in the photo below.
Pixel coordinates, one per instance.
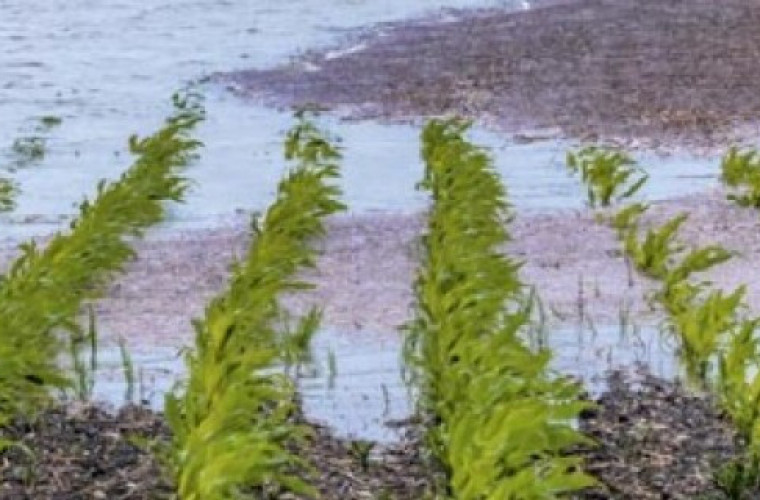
(741, 172)
(233, 419)
(499, 422)
(43, 291)
(627, 219)
(609, 174)
(27, 150)
(8, 193)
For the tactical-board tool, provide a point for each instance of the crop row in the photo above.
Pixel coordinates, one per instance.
(233, 419)
(716, 338)
(499, 424)
(42, 293)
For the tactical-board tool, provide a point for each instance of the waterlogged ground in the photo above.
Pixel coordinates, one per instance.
(107, 69)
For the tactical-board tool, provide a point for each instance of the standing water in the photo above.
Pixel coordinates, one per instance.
(107, 69)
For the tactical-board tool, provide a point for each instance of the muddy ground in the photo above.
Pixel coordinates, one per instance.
(652, 72)
(652, 440)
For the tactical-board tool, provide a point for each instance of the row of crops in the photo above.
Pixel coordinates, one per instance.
(498, 422)
(715, 334)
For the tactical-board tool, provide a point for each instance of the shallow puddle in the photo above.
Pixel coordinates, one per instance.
(355, 384)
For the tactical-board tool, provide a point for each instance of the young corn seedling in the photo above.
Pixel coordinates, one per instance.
(653, 255)
(610, 175)
(42, 293)
(702, 329)
(499, 422)
(79, 341)
(232, 420)
(740, 171)
(627, 219)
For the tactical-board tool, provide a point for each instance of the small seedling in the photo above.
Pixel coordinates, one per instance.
(740, 171)
(362, 450)
(609, 174)
(653, 256)
(627, 219)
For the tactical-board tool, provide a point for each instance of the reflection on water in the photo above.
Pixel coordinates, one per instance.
(355, 385)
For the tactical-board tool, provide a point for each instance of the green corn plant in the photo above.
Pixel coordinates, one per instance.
(738, 385)
(627, 219)
(740, 171)
(498, 422)
(232, 420)
(702, 329)
(739, 381)
(653, 255)
(609, 174)
(42, 293)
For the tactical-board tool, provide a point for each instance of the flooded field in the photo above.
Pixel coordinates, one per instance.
(80, 77)
(107, 70)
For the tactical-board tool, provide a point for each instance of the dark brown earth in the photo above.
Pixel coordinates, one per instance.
(655, 440)
(661, 71)
(85, 452)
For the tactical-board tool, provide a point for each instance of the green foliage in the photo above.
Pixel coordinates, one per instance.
(500, 423)
(702, 328)
(740, 478)
(361, 450)
(609, 174)
(80, 340)
(627, 219)
(740, 171)
(8, 193)
(653, 256)
(232, 420)
(42, 292)
(739, 381)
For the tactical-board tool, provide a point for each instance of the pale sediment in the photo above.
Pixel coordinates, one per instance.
(365, 272)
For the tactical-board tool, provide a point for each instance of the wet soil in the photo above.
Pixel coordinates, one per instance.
(657, 71)
(653, 440)
(657, 440)
(85, 452)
